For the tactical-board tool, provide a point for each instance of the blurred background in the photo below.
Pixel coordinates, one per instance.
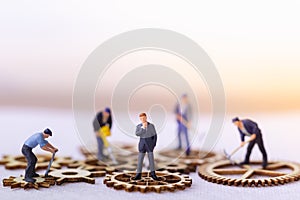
(255, 46)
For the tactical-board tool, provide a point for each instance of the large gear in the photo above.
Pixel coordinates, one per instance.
(19, 182)
(195, 158)
(223, 172)
(75, 175)
(19, 162)
(167, 182)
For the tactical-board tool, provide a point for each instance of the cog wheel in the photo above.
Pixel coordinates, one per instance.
(119, 150)
(92, 164)
(224, 173)
(75, 175)
(19, 182)
(195, 158)
(167, 182)
(19, 162)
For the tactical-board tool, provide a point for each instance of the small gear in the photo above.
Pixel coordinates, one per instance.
(75, 175)
(224, 173)
(195, 158)
(167, 166)
(19, 182)
(19, 162)
(167, 182)
(107, 167)
(92, 164)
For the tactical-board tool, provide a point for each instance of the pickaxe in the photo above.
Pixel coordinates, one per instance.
(228, 156)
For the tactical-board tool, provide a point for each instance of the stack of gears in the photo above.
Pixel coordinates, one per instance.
(173, 169)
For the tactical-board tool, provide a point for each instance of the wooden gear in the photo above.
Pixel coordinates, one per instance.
(167, 182)
(75, 175)
(221, 171)
(19, 162)
(195, 158)
(107, 167)
(18, 182)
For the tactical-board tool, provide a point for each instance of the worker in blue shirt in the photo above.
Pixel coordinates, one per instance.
(249, 128)
(31, 143)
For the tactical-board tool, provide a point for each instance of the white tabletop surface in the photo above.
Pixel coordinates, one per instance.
(280, 133)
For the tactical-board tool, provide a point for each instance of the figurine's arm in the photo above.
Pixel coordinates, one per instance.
(155, 135)
(253, 136)
(49, 147)
(139, 131)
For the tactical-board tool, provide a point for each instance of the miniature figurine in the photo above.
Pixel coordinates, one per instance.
(30, 143)
(183, 117)
(249, 128)
(148, 137)
(102, 125)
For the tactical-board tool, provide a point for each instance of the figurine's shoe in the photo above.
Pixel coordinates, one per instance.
(30, 180)
(138, 176)
(264, 165)
(188, 152)
(153, 175)
(35, 175)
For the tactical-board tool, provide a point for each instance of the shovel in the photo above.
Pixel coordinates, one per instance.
(49, 165)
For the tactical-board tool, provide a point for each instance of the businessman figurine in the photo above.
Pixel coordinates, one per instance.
(249, 128)
(146, 132)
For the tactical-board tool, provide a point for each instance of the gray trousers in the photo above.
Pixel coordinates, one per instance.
(141, 159)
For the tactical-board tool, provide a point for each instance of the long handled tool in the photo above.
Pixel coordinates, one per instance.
(111, 155)
(49, 165)
(228, 156)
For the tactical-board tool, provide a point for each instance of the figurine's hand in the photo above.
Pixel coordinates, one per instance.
(188, 125)
(242, 144)
(54, 150)
(145, 124)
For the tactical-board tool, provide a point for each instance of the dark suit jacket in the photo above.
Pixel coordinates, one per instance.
(148, 137)
(97, 122)
(251, 128)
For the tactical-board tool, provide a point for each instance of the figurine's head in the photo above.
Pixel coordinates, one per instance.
(143, 117)
(47, 132)
(236, 121)
(106, 112)
(184, 99)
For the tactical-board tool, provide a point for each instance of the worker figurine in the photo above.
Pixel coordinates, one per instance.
(31, 143)
(148, 137)
(183, 117)
(249, 128)
(102, 125)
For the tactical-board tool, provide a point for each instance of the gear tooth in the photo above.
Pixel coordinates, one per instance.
(281, 180)
(237, 182)
(262, 182)
(110, 183)
(269, 182)
(244, 182)
(129, 188)
(274, 181)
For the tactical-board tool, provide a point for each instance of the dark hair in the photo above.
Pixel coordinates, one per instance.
(48, 131)
(107, 109)
(236, 119)
(142, 114)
